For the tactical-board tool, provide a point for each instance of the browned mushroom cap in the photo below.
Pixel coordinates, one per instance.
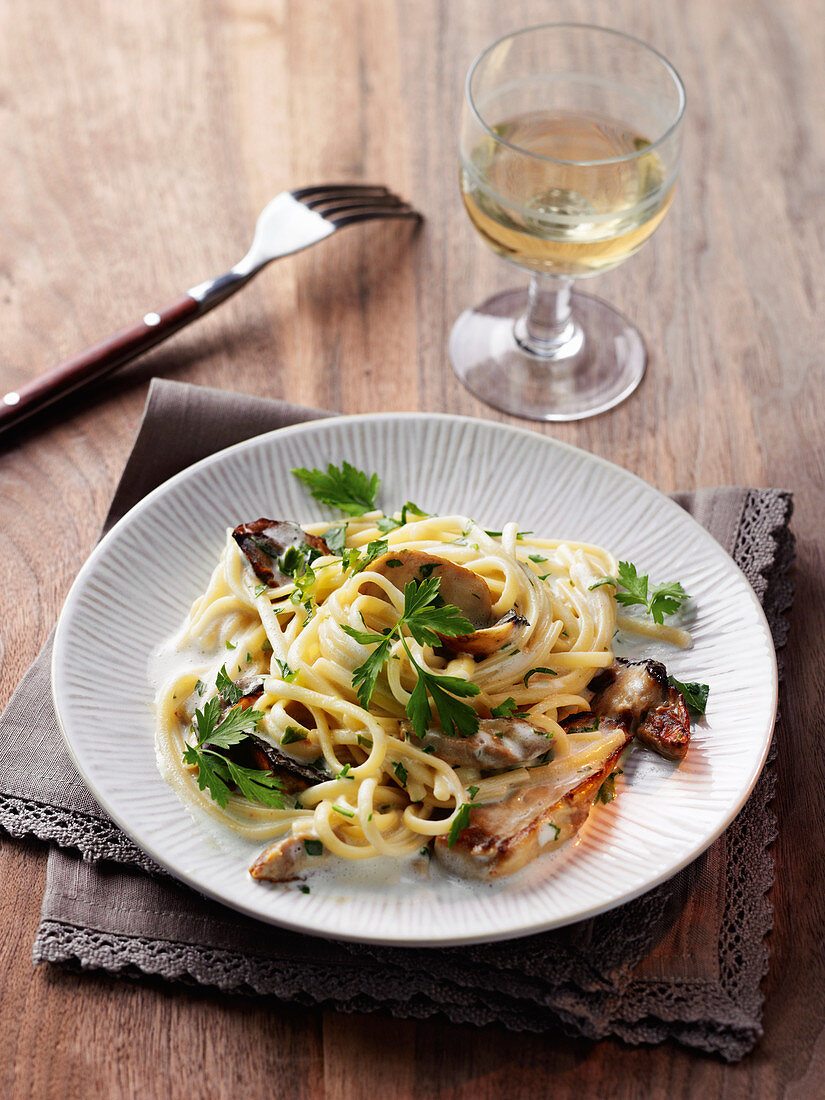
(459, 586)
(639, 693)
(666, 728)
(483, 643)
(265, 541)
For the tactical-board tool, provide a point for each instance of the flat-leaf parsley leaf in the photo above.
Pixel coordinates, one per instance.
(215, 771)
(696, 696)
(343, 487)
(664, 599)
(425, 622)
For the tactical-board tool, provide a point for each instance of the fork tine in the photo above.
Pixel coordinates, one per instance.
(344, 203)
(336, 204)
(366, 214)
(339, 191)
(356, 206)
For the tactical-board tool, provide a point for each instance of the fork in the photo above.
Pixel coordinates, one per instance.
(290, 222)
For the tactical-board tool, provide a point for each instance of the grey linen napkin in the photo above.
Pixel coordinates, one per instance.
(683, 962)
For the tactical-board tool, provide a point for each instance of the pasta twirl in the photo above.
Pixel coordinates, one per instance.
(383, 792)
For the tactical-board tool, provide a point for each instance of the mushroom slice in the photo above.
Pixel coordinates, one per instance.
(460, 587)
(500, 743)
(284, 859)
(666, 728)
(489, 640)
(639, 693)
(502, 837)
(266, 541)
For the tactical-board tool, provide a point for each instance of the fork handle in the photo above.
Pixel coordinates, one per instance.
(98, 360)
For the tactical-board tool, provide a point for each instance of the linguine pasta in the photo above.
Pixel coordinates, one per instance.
(382, 792)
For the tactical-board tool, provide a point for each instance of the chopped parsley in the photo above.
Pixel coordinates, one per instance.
(304, 582)
(292, 734)
(389, 524)
(400, 772)
(313, 847)
(462, 818)
(535, 671)
(459, 824)
(336, 538)
(356, 560)
(228, 690)
(505, 709)
(497, 534)
(607, 791)
(286, 672)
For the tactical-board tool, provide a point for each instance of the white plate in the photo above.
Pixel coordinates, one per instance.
(137, 586)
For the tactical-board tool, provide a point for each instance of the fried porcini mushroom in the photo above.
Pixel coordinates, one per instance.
(640, 693)
(502, 837)
(499, 744)
(460, 587)
(284, 859)
(254, 752)
(265, 542)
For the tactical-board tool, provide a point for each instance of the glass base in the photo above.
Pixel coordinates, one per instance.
(599, 370)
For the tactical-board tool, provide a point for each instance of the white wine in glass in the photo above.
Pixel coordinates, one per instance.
(567, 167)
(581, 225)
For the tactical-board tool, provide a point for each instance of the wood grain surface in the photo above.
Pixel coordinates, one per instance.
(138, 142)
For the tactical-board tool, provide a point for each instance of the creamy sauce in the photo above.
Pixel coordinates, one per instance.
(327, 876)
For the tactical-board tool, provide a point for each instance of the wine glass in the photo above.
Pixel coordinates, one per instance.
(570, 148)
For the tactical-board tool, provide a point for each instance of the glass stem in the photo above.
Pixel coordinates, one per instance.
(548, 328)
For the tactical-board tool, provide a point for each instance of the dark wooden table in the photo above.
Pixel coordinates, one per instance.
(138, 142)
